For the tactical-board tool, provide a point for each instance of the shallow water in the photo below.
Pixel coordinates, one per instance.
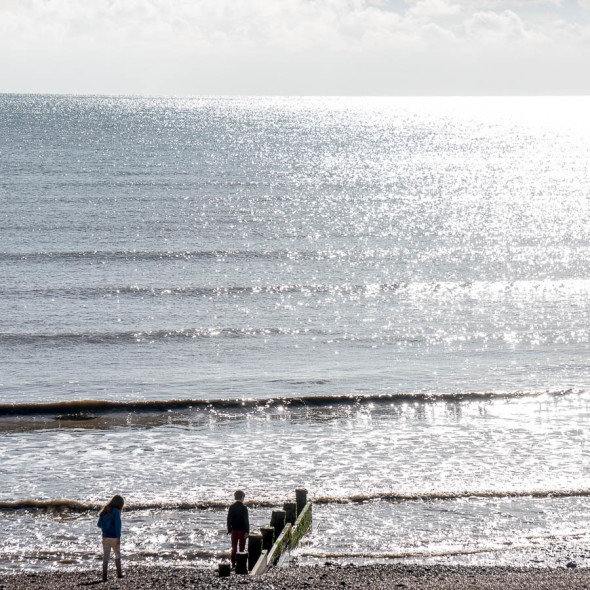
(415, 448)
(512, 478)
(524, 531)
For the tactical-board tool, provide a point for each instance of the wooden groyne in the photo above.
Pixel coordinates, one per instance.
(271, 546)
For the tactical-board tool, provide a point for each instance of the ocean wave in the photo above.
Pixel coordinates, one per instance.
(152, 336)
(150, 255)
(192, 291)
(441, 496)
(90, 408)
(76, 506)
(134, 255)
(547, 289)
(66, 505)
(145, 335)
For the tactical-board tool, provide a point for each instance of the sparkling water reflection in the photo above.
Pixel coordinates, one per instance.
(255, 248)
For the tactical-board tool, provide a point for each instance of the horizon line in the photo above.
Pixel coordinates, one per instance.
(236, 95)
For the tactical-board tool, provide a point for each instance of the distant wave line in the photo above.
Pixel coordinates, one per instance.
(138, 255)
(200, 291)
(149, 335)
(70, 409)
(414, 289)
(131, 255)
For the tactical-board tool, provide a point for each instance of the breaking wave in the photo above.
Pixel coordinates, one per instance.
(76, 506)
(76, 408)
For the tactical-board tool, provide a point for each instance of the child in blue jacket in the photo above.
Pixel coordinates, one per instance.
(110, 522)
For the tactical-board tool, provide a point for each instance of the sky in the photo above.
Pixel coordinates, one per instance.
(295, 47)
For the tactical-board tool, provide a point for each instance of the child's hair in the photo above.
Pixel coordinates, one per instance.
(239, 495)
(115, 502)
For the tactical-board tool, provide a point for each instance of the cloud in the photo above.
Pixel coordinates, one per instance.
(482, 5)
(241, 23)
(288, 46)
(433, 9)
(504, 26)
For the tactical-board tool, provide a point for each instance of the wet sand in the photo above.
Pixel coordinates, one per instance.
(374, 577)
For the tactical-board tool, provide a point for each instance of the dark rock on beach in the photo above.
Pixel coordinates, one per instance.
(374, 577)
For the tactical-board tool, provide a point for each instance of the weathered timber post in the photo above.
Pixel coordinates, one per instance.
(289, 526)
(224, 569)
(290, 509)
(268, 537)
(277, 520)
(301, 499)
(254, 549)
(241, 562)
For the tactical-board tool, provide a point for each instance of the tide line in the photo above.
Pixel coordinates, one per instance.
(450, 552)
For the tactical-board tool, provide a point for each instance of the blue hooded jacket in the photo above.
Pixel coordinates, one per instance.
(110, 523)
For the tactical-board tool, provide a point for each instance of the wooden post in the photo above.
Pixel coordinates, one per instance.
(254, 549)
(268, 537)
(224, 569)
(277, 520)
(287, 536)
(241, 562)
(290, 509)
(301, 499)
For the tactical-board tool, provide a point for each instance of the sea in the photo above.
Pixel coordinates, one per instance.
(385, 301)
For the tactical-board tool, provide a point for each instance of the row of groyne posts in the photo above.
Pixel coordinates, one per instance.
(271, 546)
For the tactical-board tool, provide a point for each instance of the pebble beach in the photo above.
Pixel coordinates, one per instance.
(329, 576)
